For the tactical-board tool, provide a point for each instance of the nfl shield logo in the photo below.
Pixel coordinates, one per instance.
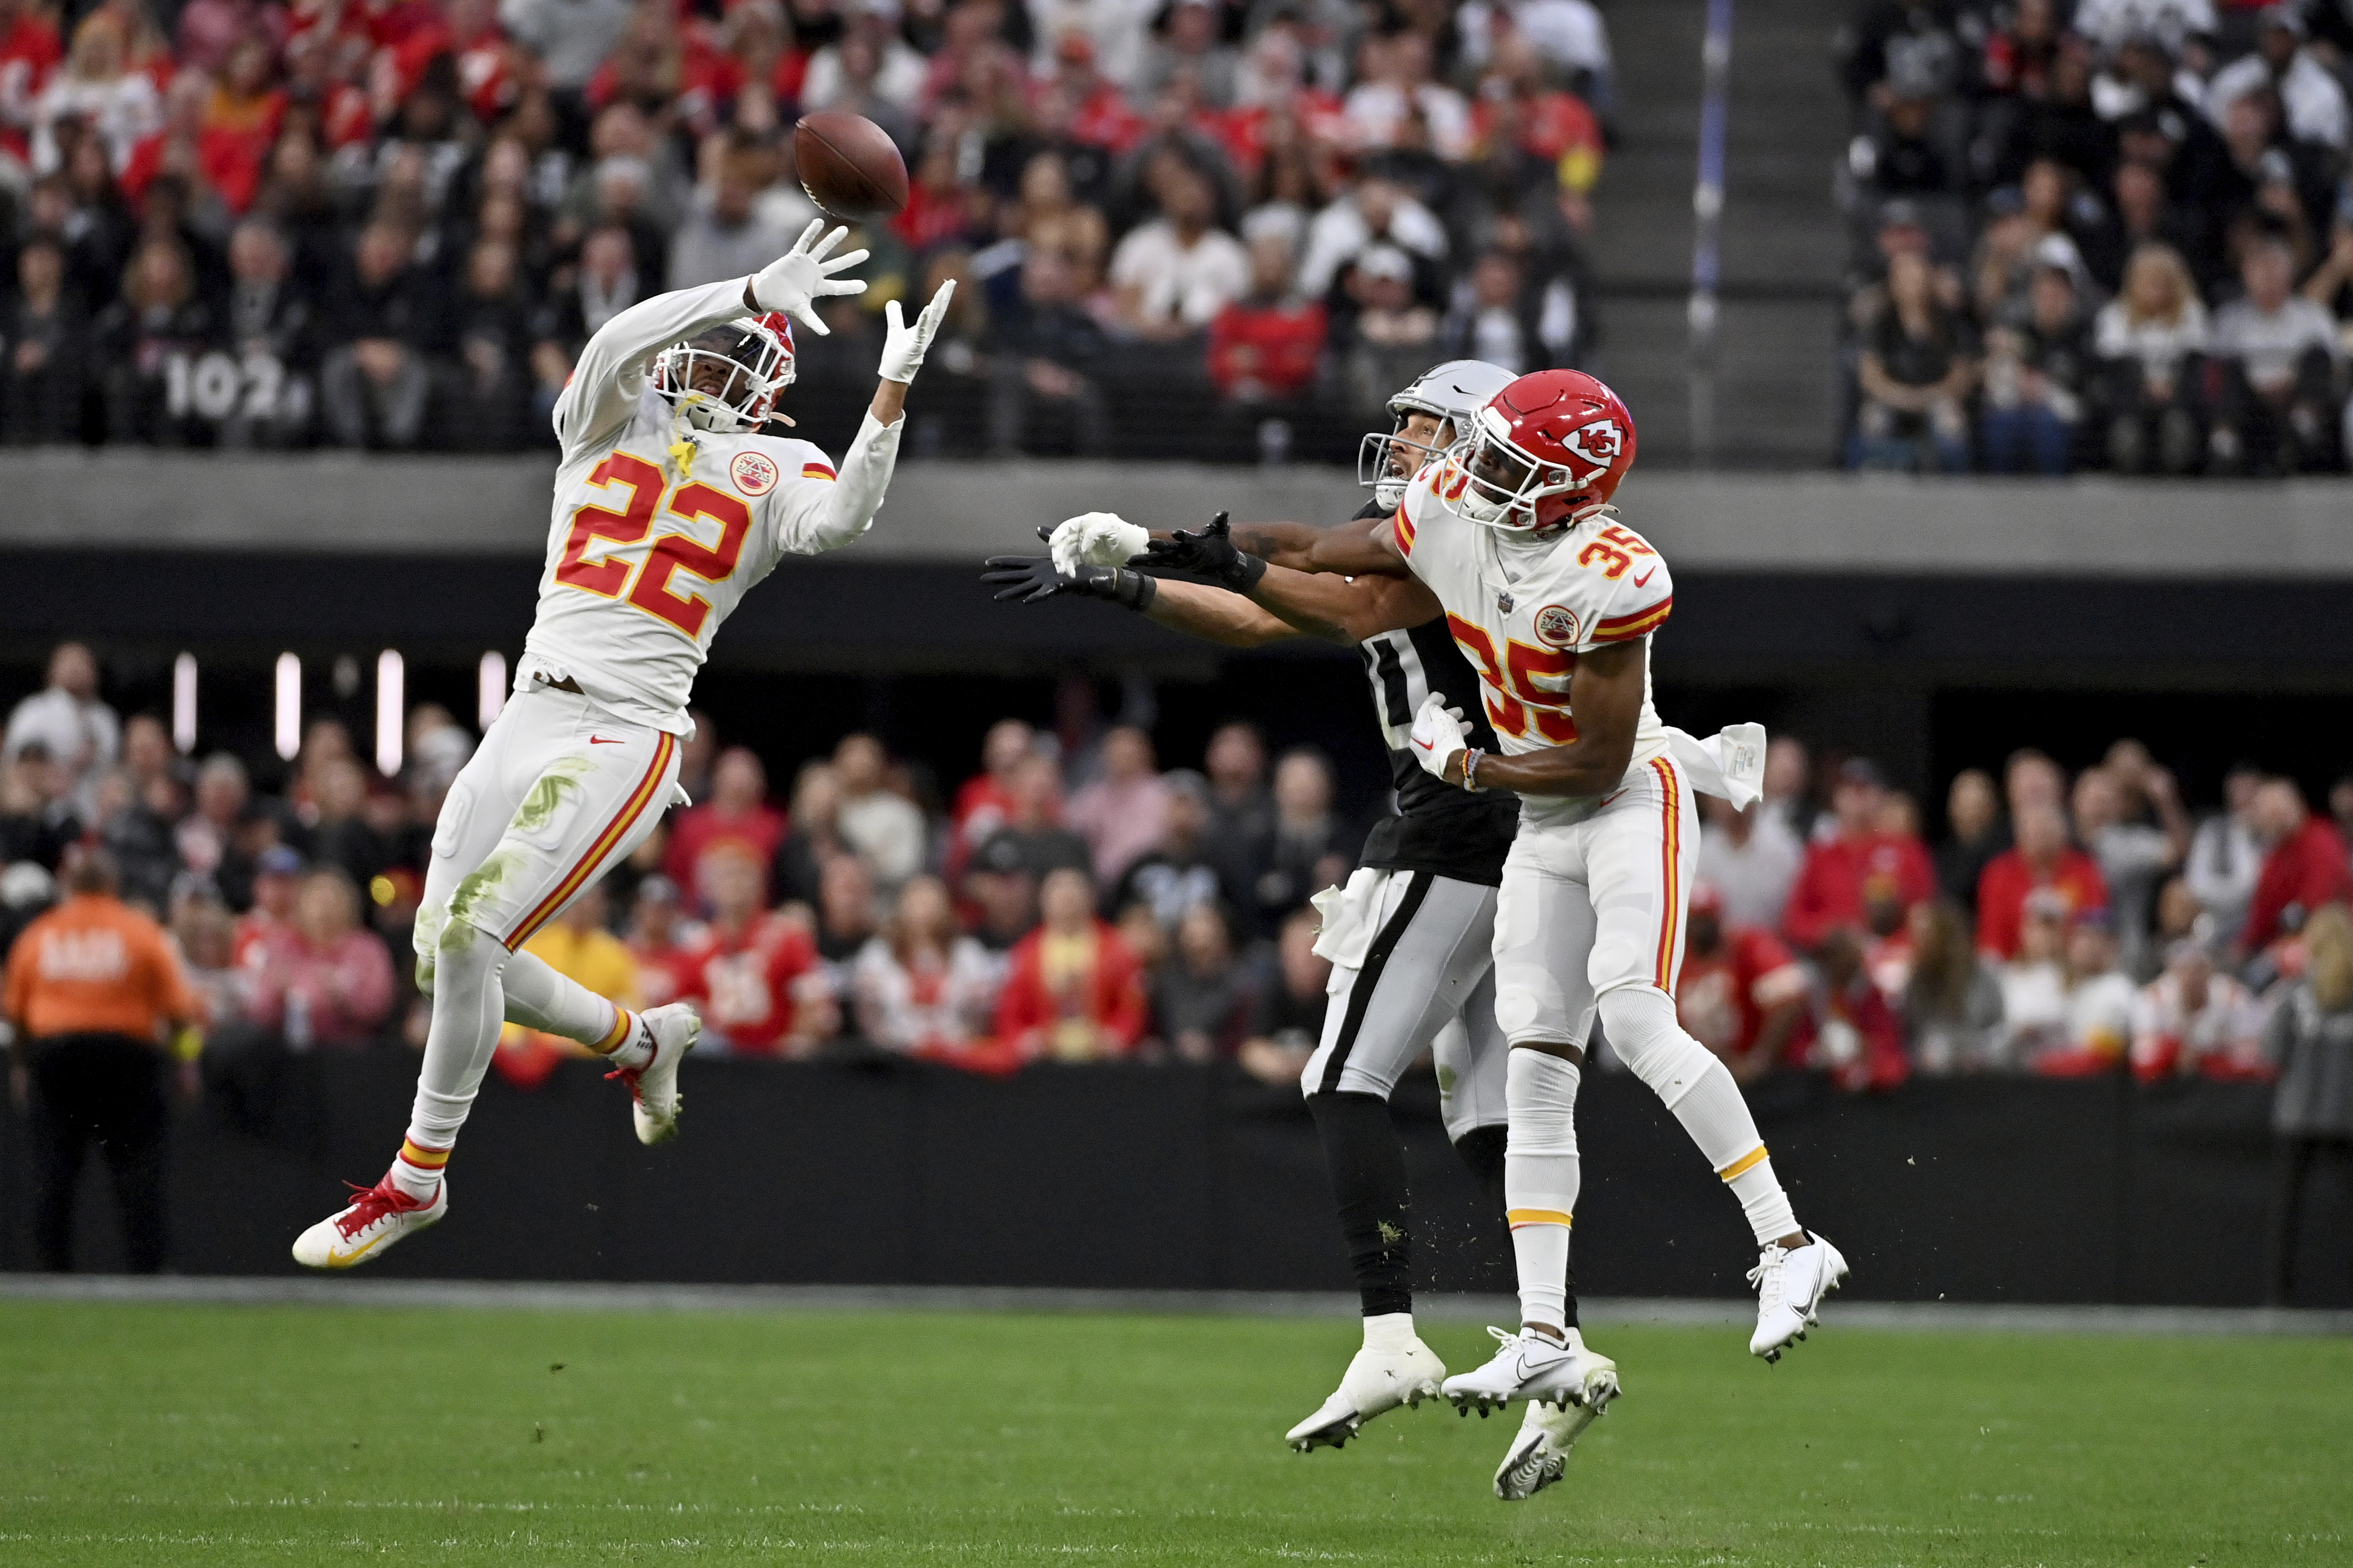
(1504, 603)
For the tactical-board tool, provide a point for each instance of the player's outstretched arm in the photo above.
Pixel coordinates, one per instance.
(1605, 692)
(1289, 604)
(857, 492)
(1343, 609)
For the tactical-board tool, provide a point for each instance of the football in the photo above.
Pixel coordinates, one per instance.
(850, 166)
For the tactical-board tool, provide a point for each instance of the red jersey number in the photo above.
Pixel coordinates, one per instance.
(671, 553)
(605, 576)
(1514, 700)
(674, 553)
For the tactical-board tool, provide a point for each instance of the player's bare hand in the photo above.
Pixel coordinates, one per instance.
(1096, 539)
(1437, 737)
(1208, 552)
(903, 346)
(795, 282)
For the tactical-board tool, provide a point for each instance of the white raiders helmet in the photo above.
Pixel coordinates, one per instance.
(1453, 392)
(728, 378)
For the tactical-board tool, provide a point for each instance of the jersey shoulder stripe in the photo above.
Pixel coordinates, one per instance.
(1404, 530)
(1641, 623)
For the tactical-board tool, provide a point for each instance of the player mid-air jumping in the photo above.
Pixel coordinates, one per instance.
(671, 504)
(1411, 940)
(1555, 604)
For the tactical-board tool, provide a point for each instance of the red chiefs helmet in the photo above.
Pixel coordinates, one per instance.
(1545, 451)
(729, 377)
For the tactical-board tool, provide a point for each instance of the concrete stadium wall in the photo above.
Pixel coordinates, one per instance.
(957, 512)
(1986, 1190)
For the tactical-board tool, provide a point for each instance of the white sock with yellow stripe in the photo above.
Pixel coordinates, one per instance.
(1689, 1079)
(1541, 1176)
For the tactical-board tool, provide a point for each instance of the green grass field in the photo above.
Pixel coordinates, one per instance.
(186, 1435)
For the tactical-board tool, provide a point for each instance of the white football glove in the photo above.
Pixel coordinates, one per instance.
(1438, 733)
(795, 282)
(902, 346)
(1097, 539)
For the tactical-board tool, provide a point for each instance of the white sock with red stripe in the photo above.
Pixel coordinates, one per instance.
(1687, 1077)
(469, 1007)
(1541, 1176)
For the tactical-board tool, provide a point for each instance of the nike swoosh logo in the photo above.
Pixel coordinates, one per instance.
(604, 740)
(1425, 745)
(1644, 579)
(1608, 798)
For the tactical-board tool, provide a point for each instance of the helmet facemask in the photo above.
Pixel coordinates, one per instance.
(1387, 463)
(727, 378)
(1503, 487)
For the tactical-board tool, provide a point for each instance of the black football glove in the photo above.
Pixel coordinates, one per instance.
(1210, 553)
(1027, 579)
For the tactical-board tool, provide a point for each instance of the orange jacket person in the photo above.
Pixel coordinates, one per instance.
(92, 987)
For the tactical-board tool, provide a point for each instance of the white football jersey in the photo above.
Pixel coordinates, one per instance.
(1523, 608)
(658, 531)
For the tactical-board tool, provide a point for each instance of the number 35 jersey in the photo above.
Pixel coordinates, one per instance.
(658, 530)
(1523, 609)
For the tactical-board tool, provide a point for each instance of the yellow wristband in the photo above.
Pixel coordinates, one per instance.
(187, 1043)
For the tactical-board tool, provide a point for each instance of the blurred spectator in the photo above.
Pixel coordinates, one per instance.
(96, 88)
(205, 838)
(1857, 1037)
(1952, 998)
(1310, 849)
(1178, 871)
(386, 316)
(37, 820)
(134, 827)
(737, 812)
(1859, 862)
(267, 928)
(1740, 993)
(1751, 858)
(1397, 88)
(2134, 857)
(342, 836)
(2308, 90)
(754, 975)
(2042, 863)
(1189, 41)
(661, 942)
(1172, 276)
(1918, 367)
(2194, 1022)
(42, 331)
(2151, 338)
(922, 988)
(332, 985)
(1201, 995)
(92, 987)
(1390, 331)
(1073, 992)
(2099, 1006)
(2309, 1039)
(576, 945)
(1374, 211)
(1048, 351)
(813, 837)
(272, 329)
(2275, 359)
(2038, 377)
(71, 722)
(881, 826)
(732, 231)
(1031, 843)
(1265, 345)
(848, 914)
(984, 800)
(1977, 833)
(1125, 812)
(2305, 867)
(1287, 1020)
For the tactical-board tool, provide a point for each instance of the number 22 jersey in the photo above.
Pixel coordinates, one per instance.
(1523, 608)
(660, 530)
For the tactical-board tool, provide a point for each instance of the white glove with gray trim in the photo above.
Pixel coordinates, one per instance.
(1097, 539)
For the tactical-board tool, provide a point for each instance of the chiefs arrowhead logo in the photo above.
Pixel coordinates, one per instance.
(1556, 626)
(754, 474)
(1599, 443)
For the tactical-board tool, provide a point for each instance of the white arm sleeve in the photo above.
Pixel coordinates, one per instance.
(605, 385)
(821, 516)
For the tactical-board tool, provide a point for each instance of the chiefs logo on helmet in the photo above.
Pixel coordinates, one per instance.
(1598, 443)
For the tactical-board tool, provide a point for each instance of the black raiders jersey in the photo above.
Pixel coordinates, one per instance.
(1438, 827)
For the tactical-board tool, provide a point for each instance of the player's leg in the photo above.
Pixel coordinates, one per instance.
(1545, 1009)
(1640, 852)
(575, 806)
(1429, 944)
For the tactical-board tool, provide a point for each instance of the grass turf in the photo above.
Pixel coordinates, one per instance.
(186, 1435)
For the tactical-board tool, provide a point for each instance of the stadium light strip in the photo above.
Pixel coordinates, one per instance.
(288, 712)
(391, 709)
(183, 703)
(490, 689)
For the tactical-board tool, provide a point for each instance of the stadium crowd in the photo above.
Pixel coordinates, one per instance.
(1200, 226)
(1072, 900)
(2110, 233)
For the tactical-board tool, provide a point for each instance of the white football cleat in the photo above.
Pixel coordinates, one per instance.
(1539, 1455)
(1377, 1380)
(1525, 1366)
(378, 1216)
(654, 1100)
(1790, 1284)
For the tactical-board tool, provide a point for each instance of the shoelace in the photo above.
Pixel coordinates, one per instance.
(1766, 1276)
(371, 1204)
